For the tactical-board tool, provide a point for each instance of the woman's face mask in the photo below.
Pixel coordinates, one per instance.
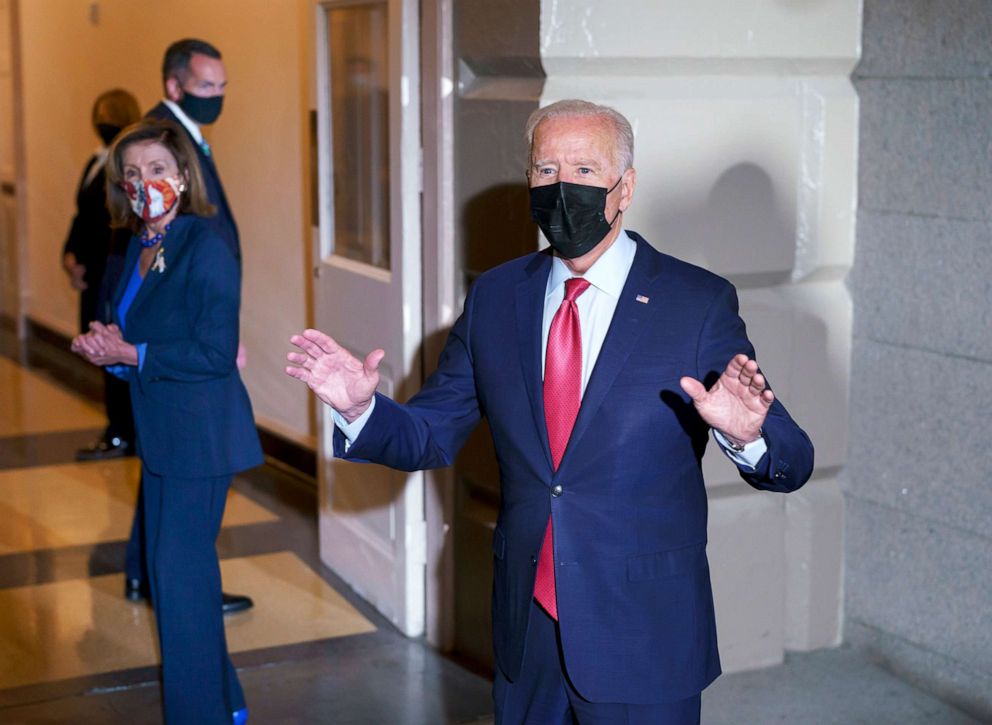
(154, 198)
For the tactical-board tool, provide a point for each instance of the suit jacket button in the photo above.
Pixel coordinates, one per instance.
(533, 560)
(556, 490)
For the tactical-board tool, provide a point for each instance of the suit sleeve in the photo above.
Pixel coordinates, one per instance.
(788, 463)
(210, 349)
(431, 428)
(75, 242)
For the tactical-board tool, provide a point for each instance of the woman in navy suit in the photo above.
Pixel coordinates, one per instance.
(175, 339)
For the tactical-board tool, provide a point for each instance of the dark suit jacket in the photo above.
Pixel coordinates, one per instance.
(224, 219)
(89, 235)
(192, 414)
(634, 600)
(90, 239)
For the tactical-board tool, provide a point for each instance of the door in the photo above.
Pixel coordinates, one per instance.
(368, 283)
(9, 258)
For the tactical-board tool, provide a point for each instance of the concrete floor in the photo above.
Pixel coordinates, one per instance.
(366, 678)
(821, 688)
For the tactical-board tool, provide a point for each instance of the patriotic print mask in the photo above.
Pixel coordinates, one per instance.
(153, 198)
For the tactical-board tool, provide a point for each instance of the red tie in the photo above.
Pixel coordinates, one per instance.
(562, 397)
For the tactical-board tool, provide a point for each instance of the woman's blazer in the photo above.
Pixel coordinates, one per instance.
(192, 413)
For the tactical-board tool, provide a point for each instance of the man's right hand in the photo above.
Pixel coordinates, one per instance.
(337, 377)
(75, 270)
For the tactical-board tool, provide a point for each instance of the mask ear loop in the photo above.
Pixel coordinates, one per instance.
(619, 211)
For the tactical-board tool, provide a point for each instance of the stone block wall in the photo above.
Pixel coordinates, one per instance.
(918, 485)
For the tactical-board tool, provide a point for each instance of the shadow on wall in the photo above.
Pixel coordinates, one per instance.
(740, 231)
(495, 228)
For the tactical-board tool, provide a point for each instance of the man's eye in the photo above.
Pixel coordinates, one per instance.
(585, 170)
(546, 171)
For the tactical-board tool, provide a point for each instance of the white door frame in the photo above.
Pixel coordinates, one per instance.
(440, 306)
(378, 547)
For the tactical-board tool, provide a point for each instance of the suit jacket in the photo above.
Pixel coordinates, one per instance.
(224, 219)
(90, 234)
(192, 414)
(634, 600)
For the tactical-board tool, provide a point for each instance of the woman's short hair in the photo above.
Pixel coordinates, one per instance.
(192, 201)
(623, 134)
(119, 108)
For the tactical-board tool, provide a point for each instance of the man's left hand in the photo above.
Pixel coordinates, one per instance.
(737, 403)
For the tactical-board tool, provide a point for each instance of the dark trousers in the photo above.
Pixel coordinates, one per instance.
(135, 559)
(117, 399)
(543, 694)
(182, 520)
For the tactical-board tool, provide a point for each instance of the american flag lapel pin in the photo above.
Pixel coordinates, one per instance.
(642, 299)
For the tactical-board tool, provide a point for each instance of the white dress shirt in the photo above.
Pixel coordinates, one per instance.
(101, 160)
(596, 307)
(186, 121)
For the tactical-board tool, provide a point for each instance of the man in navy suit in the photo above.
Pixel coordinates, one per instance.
(194, 80)
(601, 365)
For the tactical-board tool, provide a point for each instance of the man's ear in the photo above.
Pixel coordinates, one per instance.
(173, 91)
(627, 183)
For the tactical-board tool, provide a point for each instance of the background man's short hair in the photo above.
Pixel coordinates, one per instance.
(175, 64)
(572, 108)
(119, 106)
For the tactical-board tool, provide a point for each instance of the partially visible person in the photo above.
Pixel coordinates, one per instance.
(84, 258)
(602, 366)
(174, 337)
(194, 81)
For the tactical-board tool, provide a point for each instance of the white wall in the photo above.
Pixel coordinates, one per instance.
(746, 150)
(72, 51)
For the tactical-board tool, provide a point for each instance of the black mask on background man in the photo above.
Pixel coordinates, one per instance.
(107, 132)
(202, 110)
(572, 216)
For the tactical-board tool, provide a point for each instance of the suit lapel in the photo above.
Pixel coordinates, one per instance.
(629, 322)
(171, 248)
(530, 313)
(130, 260)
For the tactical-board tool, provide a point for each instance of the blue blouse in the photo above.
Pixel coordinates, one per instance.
(130, 292)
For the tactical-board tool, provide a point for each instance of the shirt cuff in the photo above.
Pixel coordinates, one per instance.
(352, 430)
(121, 372)
(751, 454)
(141, 346)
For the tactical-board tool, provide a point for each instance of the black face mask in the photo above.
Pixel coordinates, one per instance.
(202, 110)
(107, 132)
(572, 216)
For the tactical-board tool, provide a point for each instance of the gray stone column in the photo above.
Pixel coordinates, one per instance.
(919, 484)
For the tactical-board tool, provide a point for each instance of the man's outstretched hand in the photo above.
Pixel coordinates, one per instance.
(337, 377)
(737, 403)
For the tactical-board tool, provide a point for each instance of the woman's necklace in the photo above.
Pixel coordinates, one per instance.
(153, 240)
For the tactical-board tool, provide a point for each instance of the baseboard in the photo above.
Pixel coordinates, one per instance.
(48, 349)
(288, 452)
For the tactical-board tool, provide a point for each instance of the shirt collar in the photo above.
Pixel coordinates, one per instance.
(608, 274)
(99, 161)
(191, 126)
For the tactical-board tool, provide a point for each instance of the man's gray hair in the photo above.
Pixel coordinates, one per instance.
(623, 140)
